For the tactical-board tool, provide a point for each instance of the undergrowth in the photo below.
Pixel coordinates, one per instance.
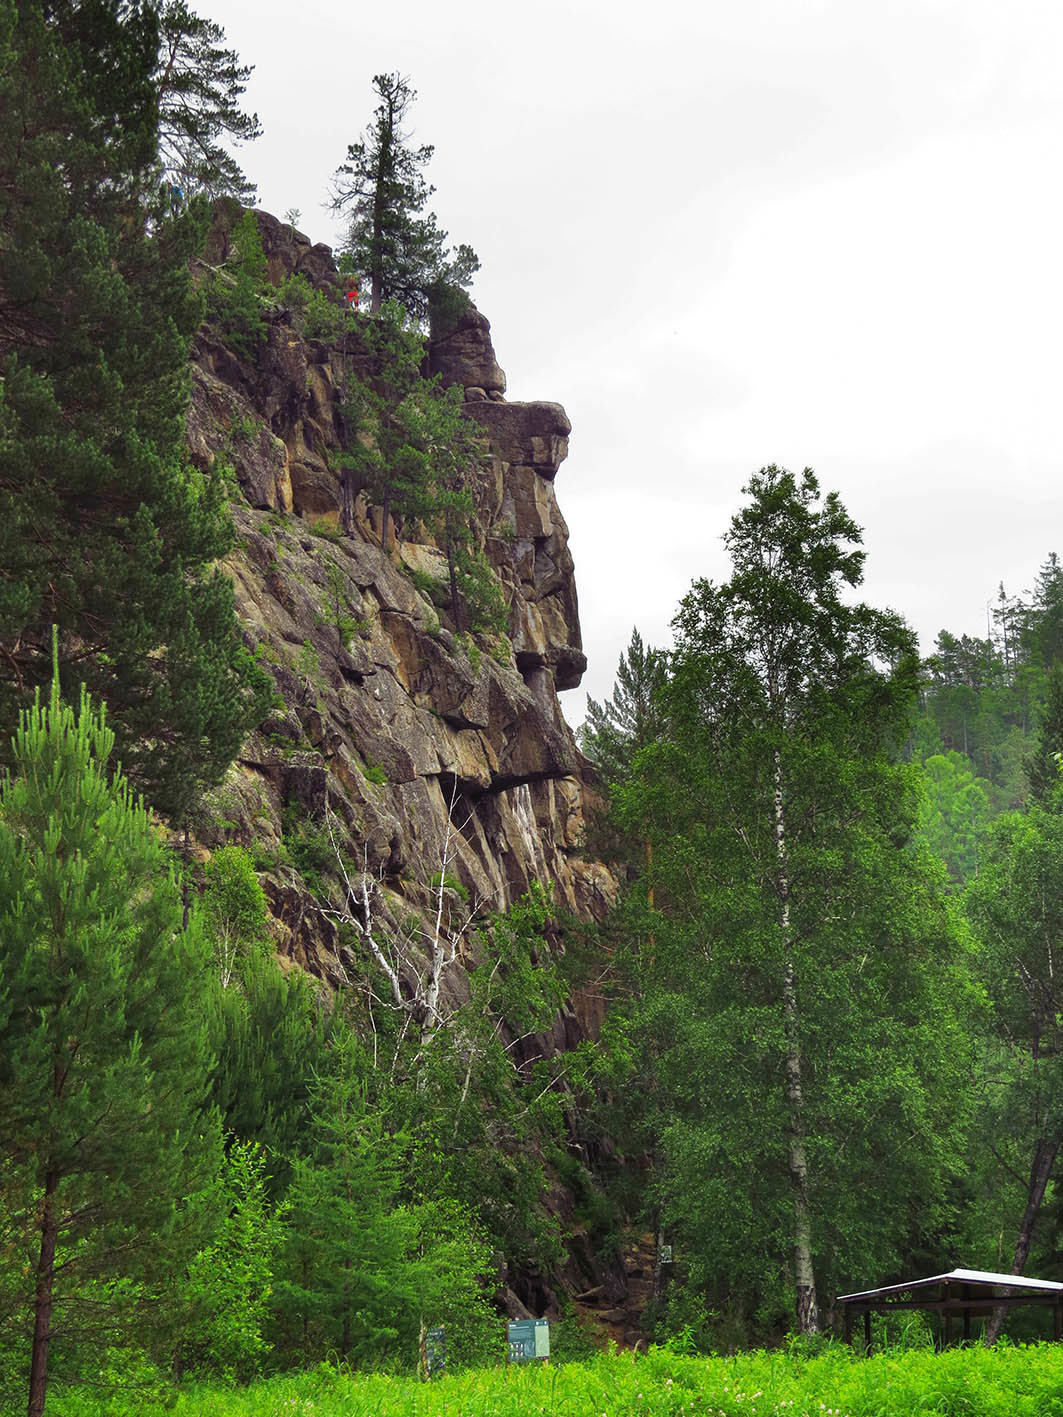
(972, 1382)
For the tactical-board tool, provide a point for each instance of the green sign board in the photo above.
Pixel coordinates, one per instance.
(527, 1340)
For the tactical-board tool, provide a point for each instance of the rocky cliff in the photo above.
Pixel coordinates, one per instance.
(422, 752)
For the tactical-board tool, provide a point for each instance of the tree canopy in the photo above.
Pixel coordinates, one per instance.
(103, 1043)
(392, 243)
(198, 86)
(106, 530)
(798, 971)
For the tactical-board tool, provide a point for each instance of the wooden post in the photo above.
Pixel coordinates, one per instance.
(849, 1324)
(867, 1332)
(967, 1325)
(1057, 1321)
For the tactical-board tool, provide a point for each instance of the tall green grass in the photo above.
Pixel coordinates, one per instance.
(971, 1382)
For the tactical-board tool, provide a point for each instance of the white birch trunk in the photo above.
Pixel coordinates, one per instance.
(804, 1276)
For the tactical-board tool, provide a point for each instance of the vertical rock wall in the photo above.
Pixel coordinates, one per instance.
(411, 734)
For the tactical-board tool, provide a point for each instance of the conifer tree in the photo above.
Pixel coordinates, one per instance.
(399, 251)
(1042, 764)
(631, 718)
(103, 1059)
(199, 85)
(105, 528)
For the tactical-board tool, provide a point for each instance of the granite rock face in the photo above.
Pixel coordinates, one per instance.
(409, 734)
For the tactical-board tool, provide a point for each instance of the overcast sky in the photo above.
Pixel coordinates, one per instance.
(818, 233)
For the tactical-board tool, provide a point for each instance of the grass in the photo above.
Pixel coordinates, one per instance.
(972, 1382)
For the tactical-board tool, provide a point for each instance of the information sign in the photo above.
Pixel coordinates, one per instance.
(435, 1351)
(527, 1341)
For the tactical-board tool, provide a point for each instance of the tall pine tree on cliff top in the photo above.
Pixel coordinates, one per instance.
(390, 243)
(199, 85)
(105, 529)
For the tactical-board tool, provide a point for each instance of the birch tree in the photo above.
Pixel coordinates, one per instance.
(799, 941)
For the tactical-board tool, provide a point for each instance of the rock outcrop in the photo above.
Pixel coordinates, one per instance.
(416, 753)
(409, 734)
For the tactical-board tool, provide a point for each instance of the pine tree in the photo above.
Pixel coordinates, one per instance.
(103, 1061)
(105, 528)
(1044, 615)
(390, 244)
(631, 718)
(368, 1258)
(199, 85)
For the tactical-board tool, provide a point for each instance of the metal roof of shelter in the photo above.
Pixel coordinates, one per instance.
(966, 1294)
(958, 1276)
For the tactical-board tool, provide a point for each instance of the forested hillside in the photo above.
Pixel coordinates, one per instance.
(341, 996)
(296, 574)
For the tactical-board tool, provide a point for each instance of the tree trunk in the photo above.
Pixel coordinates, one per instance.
(348, 502)
(455, 598)
(1044, 1158)
(797, 1160)
(42, 1303)
(385, 516)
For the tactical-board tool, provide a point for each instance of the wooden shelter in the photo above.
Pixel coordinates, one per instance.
(962, 1293)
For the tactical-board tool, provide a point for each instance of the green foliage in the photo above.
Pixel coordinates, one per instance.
(103, 1050)
(362, 1267)
(198, 86)
(794, 979)
(631, 718)
(235, 910)
(1015, 904)
(324, 529)
(237, 290)
(377, 452)
(447, 302)
(431, 587)
(418, 458)
(335, 606)
(268, 1035)
(105, 529)
(1042, 764)
(986, 698)
(954, 813)
(309, 848)
(485, 1096)
(312, 313)
(1000, 1382)
(439, 878)
(394, 249)
(307, 664)
(245, 429)
(229, 1283)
